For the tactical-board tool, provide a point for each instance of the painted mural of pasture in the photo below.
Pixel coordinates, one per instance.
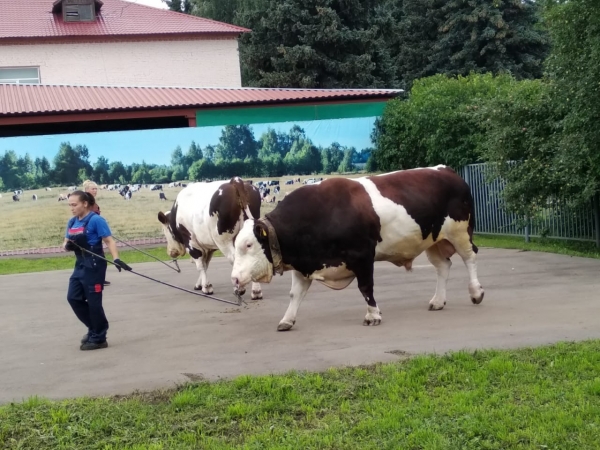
(39, 224)
(261, 151)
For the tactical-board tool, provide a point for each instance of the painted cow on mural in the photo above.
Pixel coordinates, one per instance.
(335, 230)
(206, 217)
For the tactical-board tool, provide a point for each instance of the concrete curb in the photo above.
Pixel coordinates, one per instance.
(59, 249)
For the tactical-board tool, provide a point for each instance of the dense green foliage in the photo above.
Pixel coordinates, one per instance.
(378, 43)
(540, 135)
(439, 123)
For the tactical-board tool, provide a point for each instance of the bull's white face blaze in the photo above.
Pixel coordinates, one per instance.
(174, 249)
(250, 263)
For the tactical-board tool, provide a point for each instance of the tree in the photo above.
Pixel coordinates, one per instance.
(331, 158)
(549, 130)
(573, 67)
(370, 166)
(522, 135)
(304, 158)
(346, 165)
(69, 161)
(497, 36)
(437, 124)
(182, 6)
(42, 172)
(236, 142)
(201, 170)
(326, 165)
(314, 43)
(142, 174)
(271, 143)
(193, 154)
(117, 172)
(178, 164)
(101, 168)
(209, 152)
(2, 187)
(220, 10)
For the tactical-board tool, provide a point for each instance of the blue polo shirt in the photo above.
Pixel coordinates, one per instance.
(97, 228)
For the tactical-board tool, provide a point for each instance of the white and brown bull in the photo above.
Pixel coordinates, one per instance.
(335, 230)
(206, 217)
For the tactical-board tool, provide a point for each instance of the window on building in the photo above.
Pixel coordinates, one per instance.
(79, 11)
(20, 75)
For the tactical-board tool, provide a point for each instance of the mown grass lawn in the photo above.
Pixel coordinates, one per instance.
(563, 247)
(25, 265)
(544, 398)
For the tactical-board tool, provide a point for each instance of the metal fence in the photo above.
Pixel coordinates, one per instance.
(558, 220)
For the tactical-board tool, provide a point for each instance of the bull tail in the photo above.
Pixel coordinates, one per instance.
(471, 227)
(242, 196)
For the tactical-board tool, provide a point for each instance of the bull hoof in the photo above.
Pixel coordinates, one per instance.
(477, 301)
(373, 316)
(257, 295)
(476, 292)
(371, 322)
(240, 292)
(435, 306)
(285, 326)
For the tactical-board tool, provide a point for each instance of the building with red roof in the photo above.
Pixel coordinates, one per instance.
(114, 42)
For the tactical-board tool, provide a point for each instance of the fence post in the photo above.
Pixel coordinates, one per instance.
(467, 175)
(527, 237)
(597, 218)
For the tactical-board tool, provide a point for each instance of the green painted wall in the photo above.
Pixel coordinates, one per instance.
(274, 114)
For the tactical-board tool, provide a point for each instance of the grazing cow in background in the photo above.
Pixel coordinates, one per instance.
(48, 189)
(334, 231)
(18, 192)
(16, 198)
(72, 188)
(34, 197)
(161, 195)
(62, 197)
(127, 195)
(206, 217)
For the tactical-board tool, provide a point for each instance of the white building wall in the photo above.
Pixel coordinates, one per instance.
(191, 63)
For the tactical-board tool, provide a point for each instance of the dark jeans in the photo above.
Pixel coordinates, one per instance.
(85, 296)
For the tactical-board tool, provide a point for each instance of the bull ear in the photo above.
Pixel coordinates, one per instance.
(260, 231)
(162, 218)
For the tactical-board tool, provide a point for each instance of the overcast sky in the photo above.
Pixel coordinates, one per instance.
(154, 3)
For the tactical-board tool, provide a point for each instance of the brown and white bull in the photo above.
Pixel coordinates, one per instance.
(206, 217)
(334, 231)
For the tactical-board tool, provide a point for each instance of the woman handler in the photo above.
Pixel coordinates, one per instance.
(85, 231)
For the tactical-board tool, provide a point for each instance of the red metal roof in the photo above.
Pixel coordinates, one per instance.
(21, 19)
(38, 99)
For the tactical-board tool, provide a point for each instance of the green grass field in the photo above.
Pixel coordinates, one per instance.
(41, 223)
(543, 398)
